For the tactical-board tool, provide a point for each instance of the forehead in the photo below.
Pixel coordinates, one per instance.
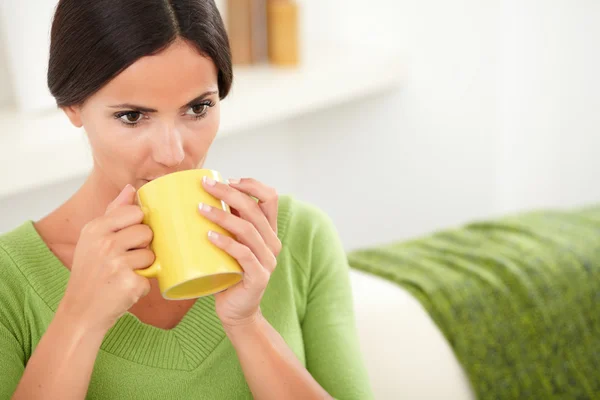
(165, 80)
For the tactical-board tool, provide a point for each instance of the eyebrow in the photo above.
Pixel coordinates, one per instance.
(152, 110)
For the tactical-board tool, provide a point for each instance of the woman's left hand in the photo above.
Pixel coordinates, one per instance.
(255, 247)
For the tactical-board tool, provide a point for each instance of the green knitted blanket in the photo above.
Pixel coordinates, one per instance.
(517, 298)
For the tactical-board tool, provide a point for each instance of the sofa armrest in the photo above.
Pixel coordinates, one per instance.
(406, 355)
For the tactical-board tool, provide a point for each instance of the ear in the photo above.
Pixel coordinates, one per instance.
(74, 114)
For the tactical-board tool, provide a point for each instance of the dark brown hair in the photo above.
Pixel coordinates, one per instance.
(92, 41)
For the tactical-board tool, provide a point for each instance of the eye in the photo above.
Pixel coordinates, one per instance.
(200, 110)
(130, 118)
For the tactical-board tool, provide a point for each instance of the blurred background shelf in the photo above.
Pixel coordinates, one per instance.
(44, 148)
(266, 94)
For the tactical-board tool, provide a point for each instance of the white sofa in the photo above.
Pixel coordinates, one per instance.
(406, 354)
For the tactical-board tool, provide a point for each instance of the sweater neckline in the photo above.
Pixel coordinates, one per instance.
(184, 347)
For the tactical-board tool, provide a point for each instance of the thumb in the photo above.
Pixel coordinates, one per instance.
(124, 198)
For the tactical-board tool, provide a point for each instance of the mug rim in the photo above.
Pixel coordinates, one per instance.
(163, 294)
(182, 172)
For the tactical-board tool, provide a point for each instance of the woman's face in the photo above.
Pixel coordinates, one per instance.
(158, 116)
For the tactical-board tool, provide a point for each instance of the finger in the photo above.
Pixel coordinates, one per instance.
(126, 197)
(137, 285)
(123, 217)
(144, 285)
(137, 259)
(248, 210)
(244, 231)
(268, 199)
(133, 237)
(254, 272)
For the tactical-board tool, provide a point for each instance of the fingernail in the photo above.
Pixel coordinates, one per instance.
(204, 207)
(234, 181)
(209, 181)
(213, 235)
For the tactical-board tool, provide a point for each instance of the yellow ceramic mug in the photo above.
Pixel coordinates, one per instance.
(187, 264)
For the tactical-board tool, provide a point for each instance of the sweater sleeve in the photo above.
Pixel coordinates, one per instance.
(330, 339)
(13, 366)
(12, 354)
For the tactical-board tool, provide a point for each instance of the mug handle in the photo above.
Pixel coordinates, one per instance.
(151, 271)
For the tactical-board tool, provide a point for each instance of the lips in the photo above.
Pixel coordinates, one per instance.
(150, 179)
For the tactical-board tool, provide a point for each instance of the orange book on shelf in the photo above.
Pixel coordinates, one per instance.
(283, 32)
(247, 30)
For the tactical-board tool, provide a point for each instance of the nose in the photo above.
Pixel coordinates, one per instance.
(168, 147)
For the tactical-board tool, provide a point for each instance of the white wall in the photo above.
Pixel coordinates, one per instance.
(420, 159)
(481, 78)
(550, 84)
(5, 86)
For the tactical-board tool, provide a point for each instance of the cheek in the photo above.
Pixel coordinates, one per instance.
(200, 135)
(114, 147)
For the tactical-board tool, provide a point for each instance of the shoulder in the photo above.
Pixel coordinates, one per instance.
(308, 233)
(300, 221)
(13, 283)
(12, 245)
(17, 247)
(27, 263)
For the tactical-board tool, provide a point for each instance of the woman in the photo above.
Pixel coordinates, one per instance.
(145, 80)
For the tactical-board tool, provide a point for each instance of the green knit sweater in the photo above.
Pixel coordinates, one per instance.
(308, 301)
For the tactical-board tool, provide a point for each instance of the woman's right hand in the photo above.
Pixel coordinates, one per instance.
(103, 283)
